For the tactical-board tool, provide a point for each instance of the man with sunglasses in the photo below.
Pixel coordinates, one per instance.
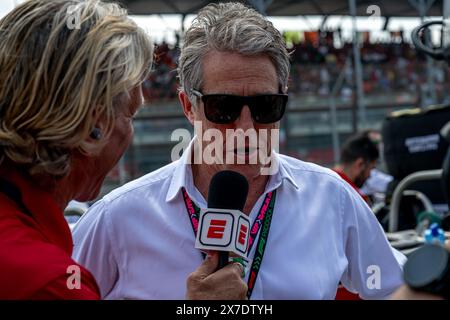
(234, 70)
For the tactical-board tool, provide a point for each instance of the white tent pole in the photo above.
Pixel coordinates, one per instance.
(358, 68)
(446, 16)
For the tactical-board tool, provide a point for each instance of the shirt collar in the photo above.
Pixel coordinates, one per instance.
(182, 176)
(283, 173)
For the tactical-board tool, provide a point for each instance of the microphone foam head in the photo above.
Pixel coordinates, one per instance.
(228, 190)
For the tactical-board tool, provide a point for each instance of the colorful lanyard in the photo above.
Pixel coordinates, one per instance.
(263, 219)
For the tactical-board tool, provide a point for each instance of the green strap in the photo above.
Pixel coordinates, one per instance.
(261, 246)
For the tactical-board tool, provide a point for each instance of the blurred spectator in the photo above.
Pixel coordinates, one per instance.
(358, 157)
(162, 83)
(377, 183)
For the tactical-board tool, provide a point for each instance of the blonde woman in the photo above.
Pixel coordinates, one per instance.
(71, 75)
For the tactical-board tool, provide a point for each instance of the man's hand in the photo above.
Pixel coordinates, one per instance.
(406, 293)
(224, 284)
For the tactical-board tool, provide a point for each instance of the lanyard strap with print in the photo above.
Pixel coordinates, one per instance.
(263, 220)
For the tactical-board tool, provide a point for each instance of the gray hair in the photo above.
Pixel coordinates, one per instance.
(230, 27)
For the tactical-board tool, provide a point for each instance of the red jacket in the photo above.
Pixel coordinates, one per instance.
(350, 182)
(36, 246)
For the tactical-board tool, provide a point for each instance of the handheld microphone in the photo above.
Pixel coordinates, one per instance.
(223, 226)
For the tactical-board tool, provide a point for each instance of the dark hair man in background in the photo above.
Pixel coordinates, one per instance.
(359, 155)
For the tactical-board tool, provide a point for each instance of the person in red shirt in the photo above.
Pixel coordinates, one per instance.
(359, 155)
(71, 83)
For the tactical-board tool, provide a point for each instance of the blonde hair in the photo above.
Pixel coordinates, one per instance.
(58, 79)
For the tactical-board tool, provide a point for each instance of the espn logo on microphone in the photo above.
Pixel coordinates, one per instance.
(223, 230)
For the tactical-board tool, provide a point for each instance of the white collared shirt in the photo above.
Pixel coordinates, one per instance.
(138, 241)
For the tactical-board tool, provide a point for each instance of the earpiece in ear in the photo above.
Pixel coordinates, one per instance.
(96, 134)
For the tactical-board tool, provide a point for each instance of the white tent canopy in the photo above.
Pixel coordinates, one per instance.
(397, 8)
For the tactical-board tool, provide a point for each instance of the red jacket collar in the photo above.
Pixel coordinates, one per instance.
(46, 214)
(350, 182)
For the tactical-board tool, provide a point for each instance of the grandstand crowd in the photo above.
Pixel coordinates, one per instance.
(318, 59)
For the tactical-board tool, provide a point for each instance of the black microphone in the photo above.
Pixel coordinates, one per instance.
(227, 190)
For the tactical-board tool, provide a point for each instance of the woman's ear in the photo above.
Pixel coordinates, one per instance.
(188, 108)
(96, 133)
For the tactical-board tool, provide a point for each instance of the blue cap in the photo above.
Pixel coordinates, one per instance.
(434, 234)
(434, 229)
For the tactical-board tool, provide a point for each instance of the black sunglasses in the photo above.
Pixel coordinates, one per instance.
(226, 108)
